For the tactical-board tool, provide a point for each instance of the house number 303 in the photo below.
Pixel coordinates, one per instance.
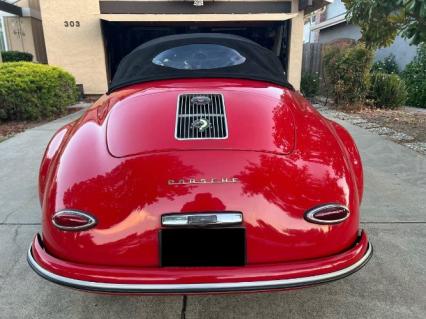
(72, 24)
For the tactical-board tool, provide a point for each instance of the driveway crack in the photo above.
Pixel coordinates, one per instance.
(17, 209)
(183, 311)
(15, 261)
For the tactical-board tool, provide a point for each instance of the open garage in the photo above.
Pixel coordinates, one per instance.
(88, 38)
(120, 38)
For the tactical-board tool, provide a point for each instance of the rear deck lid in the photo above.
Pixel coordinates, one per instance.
(229, 120)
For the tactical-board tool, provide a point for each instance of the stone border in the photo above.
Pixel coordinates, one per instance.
(395, 136)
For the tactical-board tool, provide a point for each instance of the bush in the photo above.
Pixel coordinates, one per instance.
(309, 84)
(347, 71)
(30, 91)
(16, 56)
(414, 76)
(388, 90)
(388, 65)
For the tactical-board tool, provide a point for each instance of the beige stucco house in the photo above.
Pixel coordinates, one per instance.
(89, 37)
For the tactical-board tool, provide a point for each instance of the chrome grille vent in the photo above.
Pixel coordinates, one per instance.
(201, 116)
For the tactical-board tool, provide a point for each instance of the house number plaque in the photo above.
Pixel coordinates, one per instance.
(72, 24)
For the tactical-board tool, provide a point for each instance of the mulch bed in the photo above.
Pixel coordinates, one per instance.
(9, 129)
(405, 126)
(410, 122)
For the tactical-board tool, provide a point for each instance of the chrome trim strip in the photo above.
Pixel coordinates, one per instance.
(204, 219)
(207, 138)
(201, 287)
(310, 214)
(91, 220)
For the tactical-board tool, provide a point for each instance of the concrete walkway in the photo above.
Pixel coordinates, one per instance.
(392, 285)
(415, 109)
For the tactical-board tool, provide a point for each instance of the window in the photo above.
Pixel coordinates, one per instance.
(199, 57)
(3, 44)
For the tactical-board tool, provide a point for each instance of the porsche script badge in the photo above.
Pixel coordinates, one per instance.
(189, 181)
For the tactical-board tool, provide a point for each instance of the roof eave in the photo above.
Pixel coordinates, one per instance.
(10, 8)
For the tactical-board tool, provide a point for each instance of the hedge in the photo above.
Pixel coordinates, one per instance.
(309, 85)
(414, 76)
(388, 65)
(16, 56)
(347, 72)
(388, 90)
(30, 91)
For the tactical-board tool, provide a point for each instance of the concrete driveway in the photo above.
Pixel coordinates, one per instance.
(392, 285)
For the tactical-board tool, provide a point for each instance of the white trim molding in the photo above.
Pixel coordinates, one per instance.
(330, 22)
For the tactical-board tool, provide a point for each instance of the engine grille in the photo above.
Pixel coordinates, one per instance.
(201, 116)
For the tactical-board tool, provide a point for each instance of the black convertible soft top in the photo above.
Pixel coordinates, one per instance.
(154, 60)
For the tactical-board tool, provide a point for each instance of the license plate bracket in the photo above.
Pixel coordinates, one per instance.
(203, 247)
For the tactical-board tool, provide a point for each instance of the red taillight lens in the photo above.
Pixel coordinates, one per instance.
(327, 214)
(73, 220)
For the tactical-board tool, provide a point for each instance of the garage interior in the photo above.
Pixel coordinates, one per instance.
(120, 38)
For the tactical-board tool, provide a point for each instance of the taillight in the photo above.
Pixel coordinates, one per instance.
(73, 220)
(327, 214)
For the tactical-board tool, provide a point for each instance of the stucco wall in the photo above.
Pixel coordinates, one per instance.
(401, 48)
(403, 51)
(340, 31)
(38, 39)
(78, 50)
(296, 48)
(337, 7)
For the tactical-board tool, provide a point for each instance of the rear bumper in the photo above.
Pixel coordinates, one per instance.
(199, 280)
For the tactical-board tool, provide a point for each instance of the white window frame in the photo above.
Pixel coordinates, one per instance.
(3, 28)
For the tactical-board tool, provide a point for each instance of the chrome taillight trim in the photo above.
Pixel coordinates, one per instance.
(310, 214)
(91, 221)
(204, 219)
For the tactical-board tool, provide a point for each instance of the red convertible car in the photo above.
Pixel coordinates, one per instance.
(200, 171)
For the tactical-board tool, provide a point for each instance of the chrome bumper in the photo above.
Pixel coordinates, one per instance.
(200, 287)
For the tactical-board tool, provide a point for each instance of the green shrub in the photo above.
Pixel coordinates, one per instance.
(388, 65)
(347, 72)
(309, 84)
(30, 91)
(388, 90)
(16, 56)
(414, 76)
